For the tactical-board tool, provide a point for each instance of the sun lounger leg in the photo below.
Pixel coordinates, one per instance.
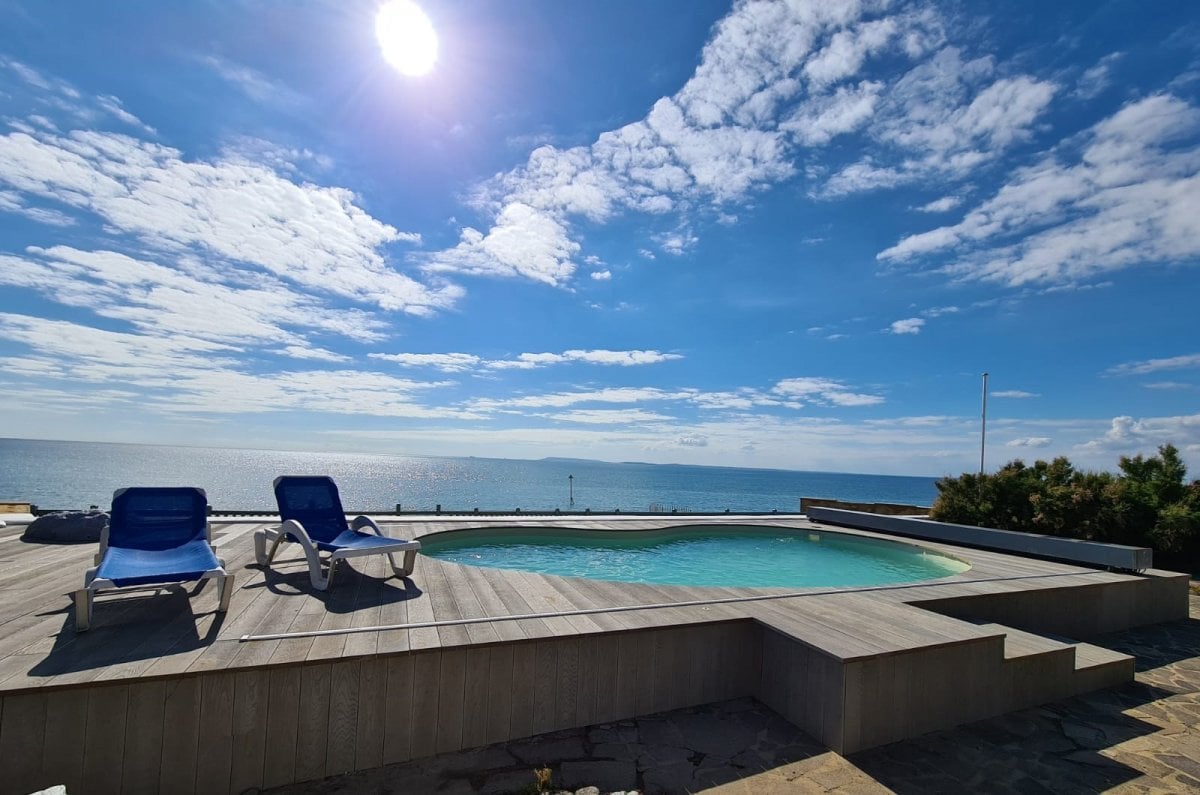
(410, 560)
(322, 582)
(83, 609)
(225, 590)
(261, 555)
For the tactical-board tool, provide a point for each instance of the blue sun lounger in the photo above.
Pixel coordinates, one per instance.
(312, 515)
(154, 537)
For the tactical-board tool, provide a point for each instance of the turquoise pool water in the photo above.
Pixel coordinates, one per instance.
(740, 556)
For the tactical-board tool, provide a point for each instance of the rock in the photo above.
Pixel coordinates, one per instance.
(66, 527)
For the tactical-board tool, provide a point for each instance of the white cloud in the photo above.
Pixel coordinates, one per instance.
(1169, 385)
(1129, 436)
(1016, 394)
(622, 358)
(943, 119)
(773, 75)
(192, 299)
(678, 242)
(114, 107)
(1185, 362)
(446, 362)
(311, 236)
(616, 417)
(824, 391)
(524, 242)
(821, 119)
(1131, 197)
(1030, 441)
(1094, 81)
(460, 362)
(565, 399)
(252, 83)
(181, 375)
(846, 51)
(13, 202)
(942, 205)
(602, 276)
(912, 325)
(305, 352)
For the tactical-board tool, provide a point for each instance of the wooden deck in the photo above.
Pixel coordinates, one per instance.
(162, 693)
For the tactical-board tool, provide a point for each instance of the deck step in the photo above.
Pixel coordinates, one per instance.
(1097, 667)
(1019, 644)
(1092, 668)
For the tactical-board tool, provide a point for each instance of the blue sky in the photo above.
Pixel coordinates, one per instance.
(766, 234)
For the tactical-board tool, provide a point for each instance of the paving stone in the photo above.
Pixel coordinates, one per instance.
(708, 776)
(1094, 759)
(607, 775)
(1188, 782)
(616, 751)
(736, 705)
(507, 781)
(1146, 763)
(1183, 764)
(657, 731)
(542, 751)
(455, 786)
(669, 778)
(709, 734)
(660, 755)
(1085, 736)
(1028, 785)
(753, 759)
(609, 733)
(486, 758)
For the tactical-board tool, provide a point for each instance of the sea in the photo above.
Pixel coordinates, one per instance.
(62, 475)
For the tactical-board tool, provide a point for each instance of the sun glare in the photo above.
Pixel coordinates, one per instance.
(406, 37)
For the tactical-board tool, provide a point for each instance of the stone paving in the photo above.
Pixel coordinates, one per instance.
(1143, 737)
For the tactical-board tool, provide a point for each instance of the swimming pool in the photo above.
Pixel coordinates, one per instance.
(726, 555)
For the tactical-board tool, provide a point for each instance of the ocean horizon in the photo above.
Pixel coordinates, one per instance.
(69, 475)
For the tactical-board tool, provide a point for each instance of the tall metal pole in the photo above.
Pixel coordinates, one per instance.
(983, 425)
(571, 482)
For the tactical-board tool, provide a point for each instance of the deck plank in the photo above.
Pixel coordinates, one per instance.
(469, 606)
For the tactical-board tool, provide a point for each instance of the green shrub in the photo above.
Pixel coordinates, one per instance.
(1149, 503)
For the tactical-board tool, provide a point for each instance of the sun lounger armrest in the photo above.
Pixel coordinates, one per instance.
(361, 522)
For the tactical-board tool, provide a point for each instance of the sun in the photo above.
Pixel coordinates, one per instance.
(406, 37)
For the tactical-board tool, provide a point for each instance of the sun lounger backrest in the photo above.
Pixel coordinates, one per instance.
(157, 518)
(312, 501)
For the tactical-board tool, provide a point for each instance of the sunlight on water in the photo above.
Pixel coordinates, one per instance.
(76, 474)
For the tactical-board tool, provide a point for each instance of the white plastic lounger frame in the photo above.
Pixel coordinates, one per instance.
(320, 580)
(85, 597)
